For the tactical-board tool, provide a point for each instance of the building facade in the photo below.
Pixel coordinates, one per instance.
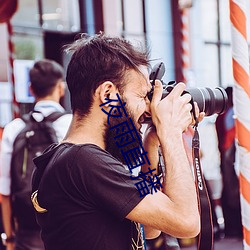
(193, 41)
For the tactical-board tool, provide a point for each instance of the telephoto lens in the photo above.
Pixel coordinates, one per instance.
(210, 101)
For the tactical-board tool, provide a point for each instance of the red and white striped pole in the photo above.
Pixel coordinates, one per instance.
(185, 55)
(185, 65)
(15, 106)
(241, 95)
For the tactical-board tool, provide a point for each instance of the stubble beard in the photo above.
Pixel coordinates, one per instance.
(110, 134)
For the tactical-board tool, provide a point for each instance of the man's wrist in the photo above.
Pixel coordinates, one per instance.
(167, 133)
(171, 141)
(7, 239)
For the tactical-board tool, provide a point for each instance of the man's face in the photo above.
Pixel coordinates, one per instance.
(135, 95)
(137, 106)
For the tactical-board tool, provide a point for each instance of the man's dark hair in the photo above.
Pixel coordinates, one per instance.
(96, 59)
(44, 76)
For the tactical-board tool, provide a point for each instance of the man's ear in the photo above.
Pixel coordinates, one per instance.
(62, 88)
(106, 90)
(31, 90)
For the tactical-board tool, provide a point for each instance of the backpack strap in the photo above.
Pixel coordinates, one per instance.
(44, 123)
(47, 128)
(51, 118)
(54, 116)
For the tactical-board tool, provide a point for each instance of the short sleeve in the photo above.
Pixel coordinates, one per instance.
(10, 133)
(107, 182)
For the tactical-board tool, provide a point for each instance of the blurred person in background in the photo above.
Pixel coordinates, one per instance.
(225, 126)
(47, 86)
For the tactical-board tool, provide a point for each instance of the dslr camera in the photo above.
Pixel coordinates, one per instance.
(210, 101)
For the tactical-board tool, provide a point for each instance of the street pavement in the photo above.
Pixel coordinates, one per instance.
(223, 244)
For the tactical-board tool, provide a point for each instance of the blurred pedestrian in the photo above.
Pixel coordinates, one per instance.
(47, 85)
(225, 126)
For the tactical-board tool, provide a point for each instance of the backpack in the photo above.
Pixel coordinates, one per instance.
(37, 135)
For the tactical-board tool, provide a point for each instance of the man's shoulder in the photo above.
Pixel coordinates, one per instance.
(16, 122)
(81, 157)
(65, 117)
(94, 154)
(63, 120)
(91, 150)
(79, 150)
(13, 128)
(97, 159)
(85, 157)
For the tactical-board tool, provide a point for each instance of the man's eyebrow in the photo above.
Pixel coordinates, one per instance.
(149, 86)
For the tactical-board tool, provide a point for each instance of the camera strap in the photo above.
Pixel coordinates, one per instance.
(205, 238)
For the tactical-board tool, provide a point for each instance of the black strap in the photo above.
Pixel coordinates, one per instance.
(54, 116)
(50, 131)
(51, 118)
(205, 238)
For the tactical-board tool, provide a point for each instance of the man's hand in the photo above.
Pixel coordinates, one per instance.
(199, 115)
(151, 137)
(172, 114)
(7, 220)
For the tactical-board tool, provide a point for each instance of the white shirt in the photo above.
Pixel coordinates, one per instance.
(11, 131)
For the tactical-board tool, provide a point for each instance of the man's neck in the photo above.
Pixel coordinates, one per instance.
(88, 130)
(49, 98)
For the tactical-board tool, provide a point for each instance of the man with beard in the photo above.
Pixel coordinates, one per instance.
(84, 192)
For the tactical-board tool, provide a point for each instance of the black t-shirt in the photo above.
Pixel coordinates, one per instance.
(88, 194)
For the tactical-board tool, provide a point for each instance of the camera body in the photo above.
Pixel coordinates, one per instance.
(210, 101)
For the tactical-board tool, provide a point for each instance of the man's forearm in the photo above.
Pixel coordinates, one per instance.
(151, 146)
(179, 183)
(7, 215)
